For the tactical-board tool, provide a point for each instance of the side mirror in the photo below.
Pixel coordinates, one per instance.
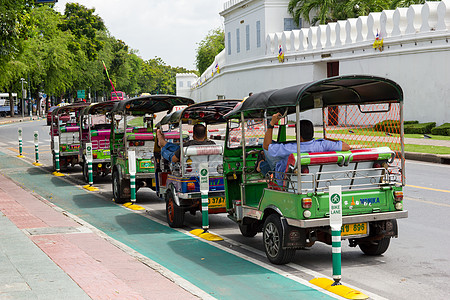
(233, 125)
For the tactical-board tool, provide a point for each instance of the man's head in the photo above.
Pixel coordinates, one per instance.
(306, 130)
(199, 132)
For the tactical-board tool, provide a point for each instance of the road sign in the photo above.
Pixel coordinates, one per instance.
(132, 162)
(81, 94)
(335, 203)
(335, 207)
(36, 138)
(204, 178)
(89, 152)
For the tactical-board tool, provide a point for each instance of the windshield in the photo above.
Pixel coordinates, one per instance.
(254, 133)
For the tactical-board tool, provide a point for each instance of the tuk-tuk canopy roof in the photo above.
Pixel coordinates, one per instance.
(100, 108)
(340, 90)
(70, 108)
(210, 112)
(151, 104)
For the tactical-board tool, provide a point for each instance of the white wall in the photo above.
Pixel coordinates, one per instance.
(415, 54)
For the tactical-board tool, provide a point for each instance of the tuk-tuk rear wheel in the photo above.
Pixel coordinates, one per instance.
(273, 241)
(84, 165)
(374, 248)
(248, 230)
(174, 213)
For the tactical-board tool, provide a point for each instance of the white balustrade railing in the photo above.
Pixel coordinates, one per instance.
(428, 18)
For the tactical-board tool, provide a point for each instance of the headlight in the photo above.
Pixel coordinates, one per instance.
(307, 214)
(398, 206)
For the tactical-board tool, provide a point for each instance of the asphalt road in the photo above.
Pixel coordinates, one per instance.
(417, 264)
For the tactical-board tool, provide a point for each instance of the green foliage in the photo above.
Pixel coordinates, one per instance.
(84, 25)
(391, 126)
(208, 48)
(325, 11)
(444, 129)
(420, 128)
(410, 122)
(61, 53)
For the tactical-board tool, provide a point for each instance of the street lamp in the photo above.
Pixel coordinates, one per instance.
(23, 103)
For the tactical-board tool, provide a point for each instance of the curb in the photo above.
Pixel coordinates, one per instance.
(427, 157)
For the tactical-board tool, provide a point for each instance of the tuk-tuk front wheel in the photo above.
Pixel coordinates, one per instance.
(249, 229)
(117, 187)
(273, 241)
(174, 213)
(85, 167)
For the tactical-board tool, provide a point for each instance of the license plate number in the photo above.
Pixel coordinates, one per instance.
(214, 202)
(354, 229)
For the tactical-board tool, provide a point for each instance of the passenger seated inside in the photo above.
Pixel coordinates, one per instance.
(275, 155)
(172, 152)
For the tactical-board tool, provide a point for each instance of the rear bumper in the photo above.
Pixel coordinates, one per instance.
(349, 219)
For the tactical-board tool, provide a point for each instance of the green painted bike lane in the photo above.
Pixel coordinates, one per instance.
(215, 271)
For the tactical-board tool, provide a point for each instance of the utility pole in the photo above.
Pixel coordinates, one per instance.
(29, 95)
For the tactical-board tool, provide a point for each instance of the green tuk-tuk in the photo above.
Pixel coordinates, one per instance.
(65, 128)
(179, 183)
(132, 130)
(291, 207)
(95, 128)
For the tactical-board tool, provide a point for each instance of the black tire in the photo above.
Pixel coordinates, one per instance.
(248, 230)
(117, 187)
(85, 166)
(273, 239)
(375, 248)
(174, 213)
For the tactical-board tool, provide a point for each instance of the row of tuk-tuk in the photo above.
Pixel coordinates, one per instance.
(291, 208)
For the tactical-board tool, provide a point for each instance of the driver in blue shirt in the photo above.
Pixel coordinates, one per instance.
(277, 154)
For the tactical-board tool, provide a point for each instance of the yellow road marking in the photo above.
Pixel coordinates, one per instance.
(427, 188)
(428, 202)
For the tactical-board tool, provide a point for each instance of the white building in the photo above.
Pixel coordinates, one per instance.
(415, 53)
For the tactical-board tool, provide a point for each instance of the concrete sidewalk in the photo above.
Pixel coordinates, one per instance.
(45, 253)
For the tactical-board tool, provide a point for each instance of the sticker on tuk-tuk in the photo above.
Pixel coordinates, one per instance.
(145, 164)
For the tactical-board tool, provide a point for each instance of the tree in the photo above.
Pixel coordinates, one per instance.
(325, 11)
(84, 25)
(208, 48)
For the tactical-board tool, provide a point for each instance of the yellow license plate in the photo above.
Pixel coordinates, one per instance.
(354, 229)
(215, 202)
